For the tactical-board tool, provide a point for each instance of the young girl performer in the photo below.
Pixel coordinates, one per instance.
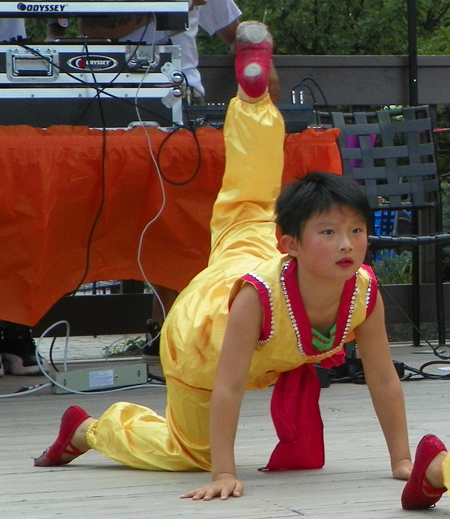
(255, 317)
(430, 476)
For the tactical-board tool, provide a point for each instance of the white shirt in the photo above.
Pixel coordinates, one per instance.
(213, 16)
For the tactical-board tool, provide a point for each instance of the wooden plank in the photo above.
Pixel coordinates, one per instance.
(356, 481)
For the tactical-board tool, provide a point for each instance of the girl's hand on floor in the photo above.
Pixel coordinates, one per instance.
(223, 486)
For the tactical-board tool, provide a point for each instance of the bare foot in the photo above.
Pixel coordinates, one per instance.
(78, 441)
(434, 471)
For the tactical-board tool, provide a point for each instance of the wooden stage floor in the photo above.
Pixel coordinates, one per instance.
(354, 484)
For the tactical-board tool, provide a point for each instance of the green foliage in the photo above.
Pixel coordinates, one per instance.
(124, 347)
(37, 29)
(393, 268)
(345, 27)
(446, 206)
(442, 140)
(210, 46)
(445, 187)
(348, 27)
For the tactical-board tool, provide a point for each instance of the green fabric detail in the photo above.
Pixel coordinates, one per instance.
(322, 343)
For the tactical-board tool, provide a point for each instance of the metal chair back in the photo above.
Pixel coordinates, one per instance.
(391, 155)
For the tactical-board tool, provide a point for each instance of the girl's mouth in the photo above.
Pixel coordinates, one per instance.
(345, 263)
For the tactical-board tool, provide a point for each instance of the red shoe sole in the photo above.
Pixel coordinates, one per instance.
(253, 52)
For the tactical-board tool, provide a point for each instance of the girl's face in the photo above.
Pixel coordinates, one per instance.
(332, 246)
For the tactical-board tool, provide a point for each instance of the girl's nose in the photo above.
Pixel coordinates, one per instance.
(346, 244)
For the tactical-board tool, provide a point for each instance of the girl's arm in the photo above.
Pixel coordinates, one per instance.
(241, 336)
(385, 388)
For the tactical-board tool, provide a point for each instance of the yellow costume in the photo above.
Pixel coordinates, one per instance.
(446, 472)
(244, 246)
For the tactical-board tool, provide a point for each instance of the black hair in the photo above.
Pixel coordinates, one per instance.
(316, 193)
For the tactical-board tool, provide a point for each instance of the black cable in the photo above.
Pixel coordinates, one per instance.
(103, 181)
(423, 375)
(101, 90)
(431, 375)
(303, 84)
(420, 372)
(126, 63)
(311, 92)
(354, 373)
(406, 316)
(357, 378)
(52, 363)
(199, 159)
(152, 377)
(166, 139)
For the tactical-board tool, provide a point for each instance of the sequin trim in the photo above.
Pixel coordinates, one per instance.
(294, 322)
(368, 293)
(266, 286)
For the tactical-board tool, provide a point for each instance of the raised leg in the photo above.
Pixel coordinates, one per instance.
(253, 58)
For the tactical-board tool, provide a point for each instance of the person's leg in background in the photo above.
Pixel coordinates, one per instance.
(161, 305)
(18, 350)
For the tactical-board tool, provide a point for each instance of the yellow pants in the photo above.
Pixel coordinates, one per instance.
(446, 472)
(136, 436)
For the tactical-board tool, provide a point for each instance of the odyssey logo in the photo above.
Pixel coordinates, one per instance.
(92, 62)
(41, 8)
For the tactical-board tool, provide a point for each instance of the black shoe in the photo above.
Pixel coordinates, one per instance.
(19, 351)
(151, 349)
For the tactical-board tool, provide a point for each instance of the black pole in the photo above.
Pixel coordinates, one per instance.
(412, 52)
(414, 101)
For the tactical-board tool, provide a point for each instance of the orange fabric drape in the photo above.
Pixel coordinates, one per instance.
(51, 193)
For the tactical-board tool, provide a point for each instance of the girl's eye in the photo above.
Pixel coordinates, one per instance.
(328, 231)
(358, 230)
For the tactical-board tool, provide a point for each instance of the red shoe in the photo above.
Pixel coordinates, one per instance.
(253, 56)
(71, 419)
(413, 496)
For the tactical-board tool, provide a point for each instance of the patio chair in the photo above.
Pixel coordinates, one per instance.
(391, 154)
